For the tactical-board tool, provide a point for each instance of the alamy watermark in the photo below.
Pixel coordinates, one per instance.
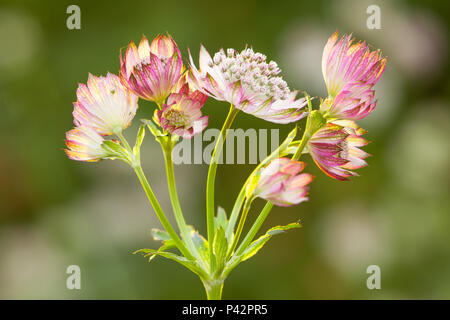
(73, 21)
(241, 146)
(74, 280)
(374, 19)
(374, 280)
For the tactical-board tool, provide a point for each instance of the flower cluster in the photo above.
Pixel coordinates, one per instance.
(248, 82)
(155, 72)
(350, 71)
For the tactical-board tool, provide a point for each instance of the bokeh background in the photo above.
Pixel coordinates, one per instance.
(55, 212)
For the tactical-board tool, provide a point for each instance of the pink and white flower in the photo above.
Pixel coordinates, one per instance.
(104, 104)
(350, 71)
(182, 114)
(335, 149)
(152, 70)
(282, 183)
(84, 144)
(248, 82)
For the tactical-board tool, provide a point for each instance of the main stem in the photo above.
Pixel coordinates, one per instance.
(213, 288)
(211, 178)
(167, 150)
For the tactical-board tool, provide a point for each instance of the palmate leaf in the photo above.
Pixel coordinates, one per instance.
(256, 245)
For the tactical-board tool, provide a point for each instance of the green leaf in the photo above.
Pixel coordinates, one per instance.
(191, 265)
(220, 248)
(221, 219)
(160, 235)
(200, 243)
(256, 245)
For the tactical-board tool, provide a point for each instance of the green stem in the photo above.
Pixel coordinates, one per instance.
(152, 198)
(240, 227)
(167, 150)
(213, 288)
(212, 176)
(255, 228)
(159, 212)
(236, 209)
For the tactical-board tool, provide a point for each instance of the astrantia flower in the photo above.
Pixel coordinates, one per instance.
(104, 104)
(335, 149)
(282, 183)
(182, 114)
(152, 71)
(248, 82)
(84, 144)
(350, 71)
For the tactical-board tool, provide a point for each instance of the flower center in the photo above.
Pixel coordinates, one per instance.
(176, 118)
(255, 74)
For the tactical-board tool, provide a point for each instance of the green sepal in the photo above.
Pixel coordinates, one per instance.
(154, 129)
(317, 121)
(115, 151)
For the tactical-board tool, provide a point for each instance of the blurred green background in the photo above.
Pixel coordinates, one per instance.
(55, 212)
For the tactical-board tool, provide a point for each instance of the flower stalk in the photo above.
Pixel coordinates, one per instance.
(212, 177)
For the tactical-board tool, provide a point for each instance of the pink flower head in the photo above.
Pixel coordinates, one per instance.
(84, 144)
(104, 104)
(152, 70)
(335, 149)
(248, 82)
(282, 183)
(350, 71)
(182, 114)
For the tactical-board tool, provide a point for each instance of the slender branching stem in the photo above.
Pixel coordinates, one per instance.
(212, 176)
(245, 210)
(152, 198)
(186, 237)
